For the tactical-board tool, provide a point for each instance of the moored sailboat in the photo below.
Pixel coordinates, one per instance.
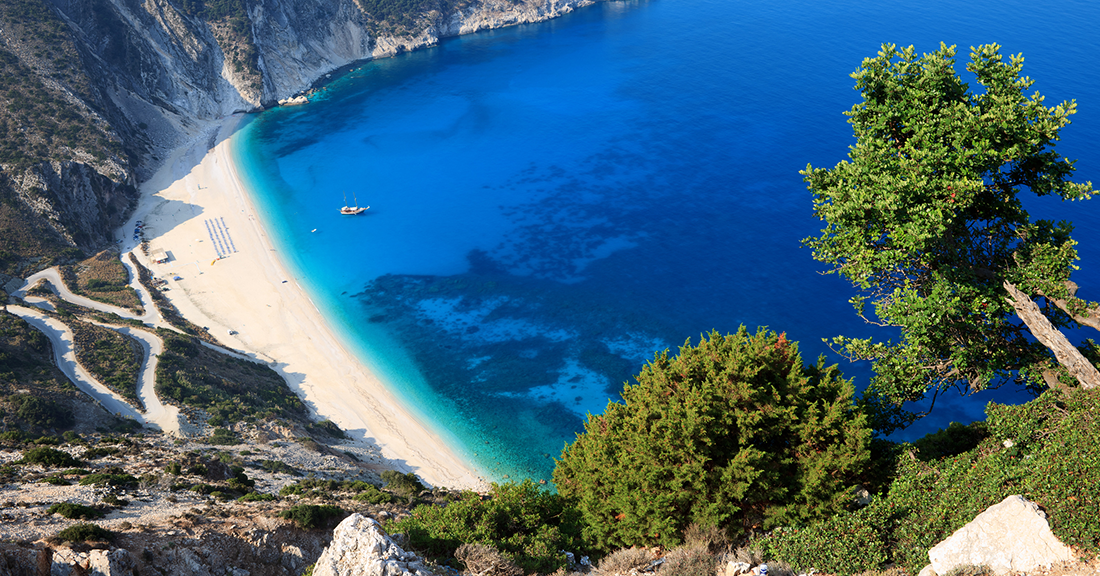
(350, 210)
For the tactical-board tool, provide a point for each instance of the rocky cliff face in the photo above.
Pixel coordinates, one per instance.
(153, 74)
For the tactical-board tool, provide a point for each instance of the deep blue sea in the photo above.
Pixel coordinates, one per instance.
(552, 203)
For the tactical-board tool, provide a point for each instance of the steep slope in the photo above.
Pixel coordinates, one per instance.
(95, 92)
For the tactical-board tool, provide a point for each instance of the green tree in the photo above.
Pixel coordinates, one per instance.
(735, 432)
(926, 219)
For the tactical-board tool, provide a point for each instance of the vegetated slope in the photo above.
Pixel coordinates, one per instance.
(102, 277)
(229, 390)
(34, 395)
(1048, 450)
(112, 358)
(65, 172)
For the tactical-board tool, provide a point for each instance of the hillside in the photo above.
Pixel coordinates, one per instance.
(95, 93)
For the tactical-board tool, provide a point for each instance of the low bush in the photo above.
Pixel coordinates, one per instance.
(310, 516)
(951, 441)
(99, 452)
(112, 500)
(223, 437)
(372, 495)
(85, 533)
(689, 561)
(256, 497)
(527, 525)
(486, 560)
(625, 560)
(406, 485)
(75, 511)
(49, 457)
(108, 479)
(275, 466)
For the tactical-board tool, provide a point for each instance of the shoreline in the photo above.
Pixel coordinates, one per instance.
(250, 302)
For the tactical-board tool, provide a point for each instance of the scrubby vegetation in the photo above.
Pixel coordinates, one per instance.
(49, 458)
(75, 511)
(529, 526)
(85, 533)
(1047, 450)
(34, 394)
(102, 277)
(228, 389)
(112, 358)
(310, 516)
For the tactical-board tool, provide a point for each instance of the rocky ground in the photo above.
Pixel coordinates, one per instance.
(165, 523)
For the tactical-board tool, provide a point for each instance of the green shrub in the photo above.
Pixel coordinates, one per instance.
(402, 484)
(311, 516)
(372, 495)
(256, 497)
(99, 452)
(174, 468)
(527, 525)
(951, 441)
(49, 457)
(223, 437)
(843, 544)
(56, 480)
(108, 479)
(735, 432)
(75, 511)
(85, 533)
(275, 466)
(112, 500)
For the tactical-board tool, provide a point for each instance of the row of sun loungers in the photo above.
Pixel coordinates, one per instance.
(219, 235)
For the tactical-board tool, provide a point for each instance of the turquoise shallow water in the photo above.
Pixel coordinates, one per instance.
(552, 203)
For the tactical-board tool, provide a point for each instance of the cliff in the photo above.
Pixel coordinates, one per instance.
(97, 91)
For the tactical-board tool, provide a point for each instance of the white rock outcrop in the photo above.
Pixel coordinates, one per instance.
(1013, 536)
(360, 547)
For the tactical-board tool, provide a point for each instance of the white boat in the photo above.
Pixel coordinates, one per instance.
(350, 210)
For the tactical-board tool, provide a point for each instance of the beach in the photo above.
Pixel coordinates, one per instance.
(224, 274)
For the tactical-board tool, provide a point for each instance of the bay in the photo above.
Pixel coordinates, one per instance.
(553, 203)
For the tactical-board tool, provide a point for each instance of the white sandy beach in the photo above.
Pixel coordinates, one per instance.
(249, 292)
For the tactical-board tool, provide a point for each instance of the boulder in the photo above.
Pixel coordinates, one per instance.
(1012, 536)
(116, 562)
(360, 547)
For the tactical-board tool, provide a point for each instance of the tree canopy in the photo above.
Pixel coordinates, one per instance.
(734, 432)
(926, 219)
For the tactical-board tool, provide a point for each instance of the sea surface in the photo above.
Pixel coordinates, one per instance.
(550, 204)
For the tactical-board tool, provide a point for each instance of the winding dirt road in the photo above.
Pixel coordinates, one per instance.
(156, 414)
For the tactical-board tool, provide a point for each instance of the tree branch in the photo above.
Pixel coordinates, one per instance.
(1052, 338)
(1091, 317)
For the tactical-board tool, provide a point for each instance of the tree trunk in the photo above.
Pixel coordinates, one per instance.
(1068, 356)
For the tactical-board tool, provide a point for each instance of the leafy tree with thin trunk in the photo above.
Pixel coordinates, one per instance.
(735, 432)
(926, 219)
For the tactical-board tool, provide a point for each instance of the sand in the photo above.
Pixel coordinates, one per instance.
(250, 293)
